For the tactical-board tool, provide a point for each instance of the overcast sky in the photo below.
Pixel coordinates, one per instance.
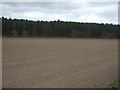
(98, 12)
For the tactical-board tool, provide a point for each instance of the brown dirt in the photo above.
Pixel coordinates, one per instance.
(59, 63)
(0, 62)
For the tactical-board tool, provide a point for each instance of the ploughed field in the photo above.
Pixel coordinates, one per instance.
(59, 63)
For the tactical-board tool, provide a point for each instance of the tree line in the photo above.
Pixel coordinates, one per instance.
(24, 27)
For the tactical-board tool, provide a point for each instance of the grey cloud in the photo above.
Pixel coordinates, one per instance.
(102, 4)
(62, 10)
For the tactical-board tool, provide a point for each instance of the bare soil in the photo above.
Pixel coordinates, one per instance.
(59, 63)
(0, 62)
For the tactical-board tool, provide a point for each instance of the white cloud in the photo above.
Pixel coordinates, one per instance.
(93, 19)
(60, 0)
(67, 11)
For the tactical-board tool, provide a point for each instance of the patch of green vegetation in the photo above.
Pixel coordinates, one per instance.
(115, 84)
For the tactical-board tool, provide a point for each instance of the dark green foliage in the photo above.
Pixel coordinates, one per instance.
(21, 27)
(115, 84)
